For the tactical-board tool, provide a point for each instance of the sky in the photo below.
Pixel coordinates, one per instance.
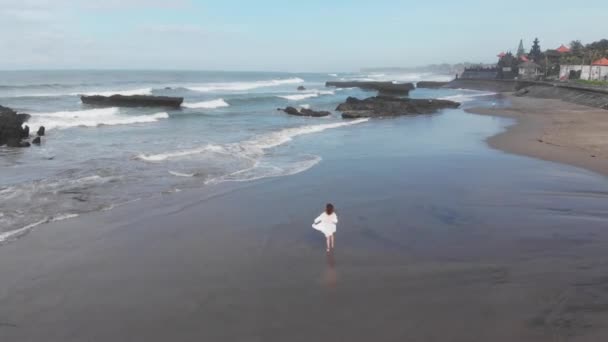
(273, 35)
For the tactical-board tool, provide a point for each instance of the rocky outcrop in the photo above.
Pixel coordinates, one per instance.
(37, 141)
(383, 106)
(12, 132)
(383, 88)
(431, 84)
(133, 101)
(41, 131)
(301, 88)
(305, 112)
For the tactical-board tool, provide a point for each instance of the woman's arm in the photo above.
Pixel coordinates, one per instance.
(335, 219)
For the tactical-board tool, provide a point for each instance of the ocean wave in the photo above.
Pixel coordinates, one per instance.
(182, 174)
(219, 103)
(242, 86)
(333, 75)
(466, 97)
(90, 118)
(298, 97)
(253, 147)
(14, 234)
(260, 171)
(304, 96)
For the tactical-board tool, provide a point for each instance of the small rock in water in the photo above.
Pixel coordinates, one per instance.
(301, 88)
(305, 112)
(36, 141)
(41, 131)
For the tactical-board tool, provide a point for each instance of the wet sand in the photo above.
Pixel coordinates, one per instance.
(228, 266)
(554, 130)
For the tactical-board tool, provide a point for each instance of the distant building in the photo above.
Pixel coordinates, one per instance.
(598, 70)
(563, 49)
(529, 71)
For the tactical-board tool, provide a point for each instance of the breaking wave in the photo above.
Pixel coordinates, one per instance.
(219, 103)
(253, 147)
(90, 118)
(242, 86)
(300, 97)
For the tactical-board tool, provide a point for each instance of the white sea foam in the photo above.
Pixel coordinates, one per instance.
(466, 97)
(308, 95)
(13, 234)
(305, 106)
(181, 174)
(90, 118)
(333, 75)
(251, 148)
(242, 86)
(261, 171)
(219, 103)
(142, 91)
(298, 97)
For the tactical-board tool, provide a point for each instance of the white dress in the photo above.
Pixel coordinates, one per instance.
(326, 223)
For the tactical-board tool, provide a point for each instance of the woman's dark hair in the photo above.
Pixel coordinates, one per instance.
(329, 209)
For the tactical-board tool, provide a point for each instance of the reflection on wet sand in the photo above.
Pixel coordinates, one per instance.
(330, 276)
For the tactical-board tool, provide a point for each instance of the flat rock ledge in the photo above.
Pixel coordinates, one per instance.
(305, 112)
(383, 88)
(133, 101)
(383, 106)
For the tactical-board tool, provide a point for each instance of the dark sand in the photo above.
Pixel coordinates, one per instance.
(227, 266)
(554, 130)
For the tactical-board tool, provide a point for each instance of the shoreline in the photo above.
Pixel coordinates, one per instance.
(552, 130)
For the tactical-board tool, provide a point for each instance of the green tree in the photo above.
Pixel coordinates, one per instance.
(576, 47)
(520, 49)
(536, 52)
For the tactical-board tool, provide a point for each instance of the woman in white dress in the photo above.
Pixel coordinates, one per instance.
(326, 224)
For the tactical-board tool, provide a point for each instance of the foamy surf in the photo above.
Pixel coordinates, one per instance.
(242, 86)
(310, 95)
(252, 147)
(91, 118)
(466, 97)
(213, 104)
(181, 174)
(14, 234)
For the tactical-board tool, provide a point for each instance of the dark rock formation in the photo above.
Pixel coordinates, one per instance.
(133, 101)
(36, 141)
(431, 84)
(41, 131)
(11, 131)
(25, 132)
(301, 88)
(383, 88)
(305, 112)
(382, 106)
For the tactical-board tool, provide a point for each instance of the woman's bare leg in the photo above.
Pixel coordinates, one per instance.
(327, 240)
(333, 240)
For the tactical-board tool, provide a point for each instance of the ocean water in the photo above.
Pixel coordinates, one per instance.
(229, 130)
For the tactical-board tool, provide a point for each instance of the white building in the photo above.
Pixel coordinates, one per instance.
(529, 71)
(597, 71)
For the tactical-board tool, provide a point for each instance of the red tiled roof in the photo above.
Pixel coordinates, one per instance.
(603, 61)
(563, 49)
(524, 59)
(501, 55)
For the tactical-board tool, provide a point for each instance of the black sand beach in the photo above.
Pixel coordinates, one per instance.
(477, 259)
